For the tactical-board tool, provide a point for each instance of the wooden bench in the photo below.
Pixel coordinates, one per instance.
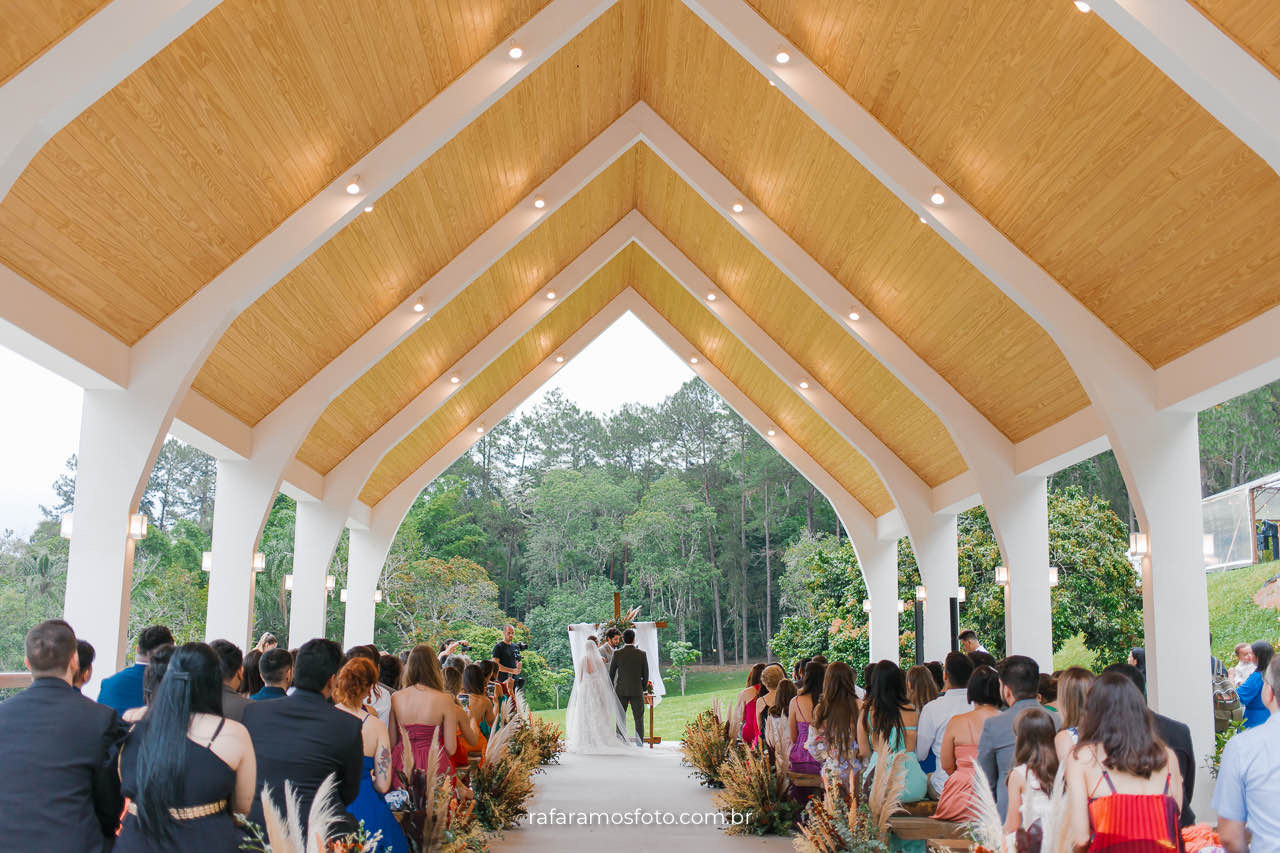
(805, 780)
(923, 808)
(909, 828)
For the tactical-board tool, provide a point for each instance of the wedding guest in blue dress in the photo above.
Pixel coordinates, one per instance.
(1250, 692)
(350, 687)
(184, 766)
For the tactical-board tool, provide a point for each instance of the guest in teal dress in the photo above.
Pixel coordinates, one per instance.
(889, 719)
(350, 687)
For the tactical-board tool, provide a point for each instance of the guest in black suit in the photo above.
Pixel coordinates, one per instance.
(58, 785)
(302, 738)
(232, 662)
(1176, 736)
(276, 669)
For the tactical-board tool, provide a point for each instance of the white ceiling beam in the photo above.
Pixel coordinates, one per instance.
(348, 477)
(911, 494)
(57, 337)
(88, 62)
(1231, 364)
(1092, 349)
(1220, 75)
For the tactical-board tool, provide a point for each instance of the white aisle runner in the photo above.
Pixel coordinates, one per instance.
(589, 803)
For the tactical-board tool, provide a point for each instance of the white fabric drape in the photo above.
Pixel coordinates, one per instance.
(646, 641)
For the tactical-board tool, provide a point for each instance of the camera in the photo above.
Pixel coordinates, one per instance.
(518, 680)
(520, 647)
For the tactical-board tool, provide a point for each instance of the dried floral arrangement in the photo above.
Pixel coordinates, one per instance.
(539, 741)
(707, 745)
(756, 785)
(283, 832)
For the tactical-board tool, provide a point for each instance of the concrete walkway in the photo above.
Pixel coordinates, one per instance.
(604, 788)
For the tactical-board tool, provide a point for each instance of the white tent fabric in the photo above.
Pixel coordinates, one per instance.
(646, 641)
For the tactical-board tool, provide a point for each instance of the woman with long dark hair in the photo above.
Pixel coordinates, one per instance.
(1250, 692)
(800, 717)
(252, 681)
(744, 721)
(1124, 788)
(427, 715)
(959, 753)
(888, 720)
(185, 767)
(1031, 780)
(834, 735)
(1073, 692)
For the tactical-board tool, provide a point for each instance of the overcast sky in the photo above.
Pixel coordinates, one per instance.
(41, 426)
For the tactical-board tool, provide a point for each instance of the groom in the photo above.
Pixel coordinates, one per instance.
(629, 672)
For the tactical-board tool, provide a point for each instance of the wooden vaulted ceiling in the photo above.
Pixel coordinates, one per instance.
(1070, 142)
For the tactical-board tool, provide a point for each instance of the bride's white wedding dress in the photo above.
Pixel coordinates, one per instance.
(594, 721)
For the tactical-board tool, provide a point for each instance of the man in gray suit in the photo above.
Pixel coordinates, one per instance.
(1019, 685)
(612, 638)
(629, 672)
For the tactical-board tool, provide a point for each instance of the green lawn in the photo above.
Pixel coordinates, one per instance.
(1233, 617)
(674, 711)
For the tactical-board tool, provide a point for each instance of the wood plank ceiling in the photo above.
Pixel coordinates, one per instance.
(1057, 130)
(31, 27)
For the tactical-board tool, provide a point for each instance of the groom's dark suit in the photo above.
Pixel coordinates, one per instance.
(629, 672)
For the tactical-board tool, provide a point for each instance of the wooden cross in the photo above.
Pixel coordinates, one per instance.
(617, 610)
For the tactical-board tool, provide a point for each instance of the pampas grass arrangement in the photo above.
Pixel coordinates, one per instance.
(435, 819)
(283, 832)
(986, 829)
(834, 824)
(502, 786)
(755, 786)
(540, 742)
(884, 800)
(706, 745)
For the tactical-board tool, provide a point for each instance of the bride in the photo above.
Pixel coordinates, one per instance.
(594, 720)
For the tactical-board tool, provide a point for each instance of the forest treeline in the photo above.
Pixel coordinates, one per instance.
(681, 506)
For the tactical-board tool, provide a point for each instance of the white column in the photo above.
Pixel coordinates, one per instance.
(244, 490)
(878, 559)
(117, 446)
(367, 552)
(1019, 512)
(937, 555)
(317, 527)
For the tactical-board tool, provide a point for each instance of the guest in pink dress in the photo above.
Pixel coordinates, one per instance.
(960, 746)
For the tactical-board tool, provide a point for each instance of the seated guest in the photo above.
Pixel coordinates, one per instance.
(389, 671)
(1073, 693)
(251, 674)
(770, 678)
(800, 719)
(84, 655)
(452, 681)
(266, 643)
(959, 750)
(1048, 691)
(1031, 780)
(889, 721)
(58, 785)
(935, 716)
(776, 725)
(157, 665)
(1123, 788)
(1249, 778)
(123, 690)
(302, 738)
(969, 642)
(424, 713)
(350, 688)
(1176, 736)
(1250, 692)
(479, 707)
(1245, 664)
(379, 698)
(276, 669)
(939, 675)
(233, 701)
(186, 767)
(921, 688)
(1019, 685)
(742, 719)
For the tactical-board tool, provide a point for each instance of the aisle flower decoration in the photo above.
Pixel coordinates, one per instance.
(706, 745)
(837, 824)
(435, 818)
(539, 742)
(757, 787)
(283, 832)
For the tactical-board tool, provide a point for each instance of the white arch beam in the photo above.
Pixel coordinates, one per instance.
(90, 61)
(1216, 72)
(1155, 449)
(932, 538)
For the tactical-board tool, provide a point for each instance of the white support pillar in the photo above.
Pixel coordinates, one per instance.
(937, 555)
(1022, 505)
(366, 555)
(879, 561)
(317, 527)
(117, 445)
(243, 489)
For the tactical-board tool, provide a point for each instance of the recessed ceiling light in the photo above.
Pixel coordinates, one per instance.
(737, 207)
(693, 359)
(353, 188)
(804, 383)
(368, 208)
(782, 57)
(480, 428)
(559, 359)
(1083, 6)
(418, 307)
(711, 297)
(923, 221)
(773, 432)
(771, 83)
(539, 203)
(515, 52)
(938, 197)
(551, 294)
(455, 379)
(854, 315)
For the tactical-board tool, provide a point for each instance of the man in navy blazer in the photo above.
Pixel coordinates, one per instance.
(58, 784)
(123, 690)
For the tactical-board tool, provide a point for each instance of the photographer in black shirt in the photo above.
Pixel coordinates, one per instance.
(506, 654)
